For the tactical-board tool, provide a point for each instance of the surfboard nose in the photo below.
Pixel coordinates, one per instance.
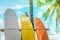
(41, 30)
(39, 23)
(9, 11)
(10, 20)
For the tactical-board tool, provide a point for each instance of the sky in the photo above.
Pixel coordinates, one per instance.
(20, 7)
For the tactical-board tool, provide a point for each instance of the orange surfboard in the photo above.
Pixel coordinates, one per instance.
(41, 30)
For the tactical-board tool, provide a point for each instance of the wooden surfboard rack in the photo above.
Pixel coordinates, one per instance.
(2, 30)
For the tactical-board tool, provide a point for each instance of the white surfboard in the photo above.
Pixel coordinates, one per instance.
(11, 26)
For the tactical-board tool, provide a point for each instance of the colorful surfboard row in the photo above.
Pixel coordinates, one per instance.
(27, 33)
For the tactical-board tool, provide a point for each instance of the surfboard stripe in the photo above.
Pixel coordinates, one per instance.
(41, 30)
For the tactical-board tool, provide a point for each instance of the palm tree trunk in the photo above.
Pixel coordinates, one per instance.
(31, 12)
(26, 14)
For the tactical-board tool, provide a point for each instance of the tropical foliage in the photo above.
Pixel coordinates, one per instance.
(49, 12)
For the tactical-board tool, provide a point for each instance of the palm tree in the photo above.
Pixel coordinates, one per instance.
(39, 2)
(26, 14)
(31, 12)
(49, 12)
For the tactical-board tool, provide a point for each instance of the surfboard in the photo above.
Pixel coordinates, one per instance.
(11, 26)
(27, 28)
(41, 30)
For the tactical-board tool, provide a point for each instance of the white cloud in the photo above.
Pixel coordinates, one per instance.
(1, 21)
(1, 11)
(40, 14)
(1, 24)
(19, 6)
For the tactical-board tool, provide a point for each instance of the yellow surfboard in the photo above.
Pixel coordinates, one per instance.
(27, 29)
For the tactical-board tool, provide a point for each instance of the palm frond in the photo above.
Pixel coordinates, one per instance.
(57, 19)
(39, 3)
(48, 12)
(58, 15)
(48, 1)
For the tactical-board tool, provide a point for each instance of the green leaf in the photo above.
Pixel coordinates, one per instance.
(47, 1)
(48, 12)
(58, 15)
(39, 3)
(58, 2)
